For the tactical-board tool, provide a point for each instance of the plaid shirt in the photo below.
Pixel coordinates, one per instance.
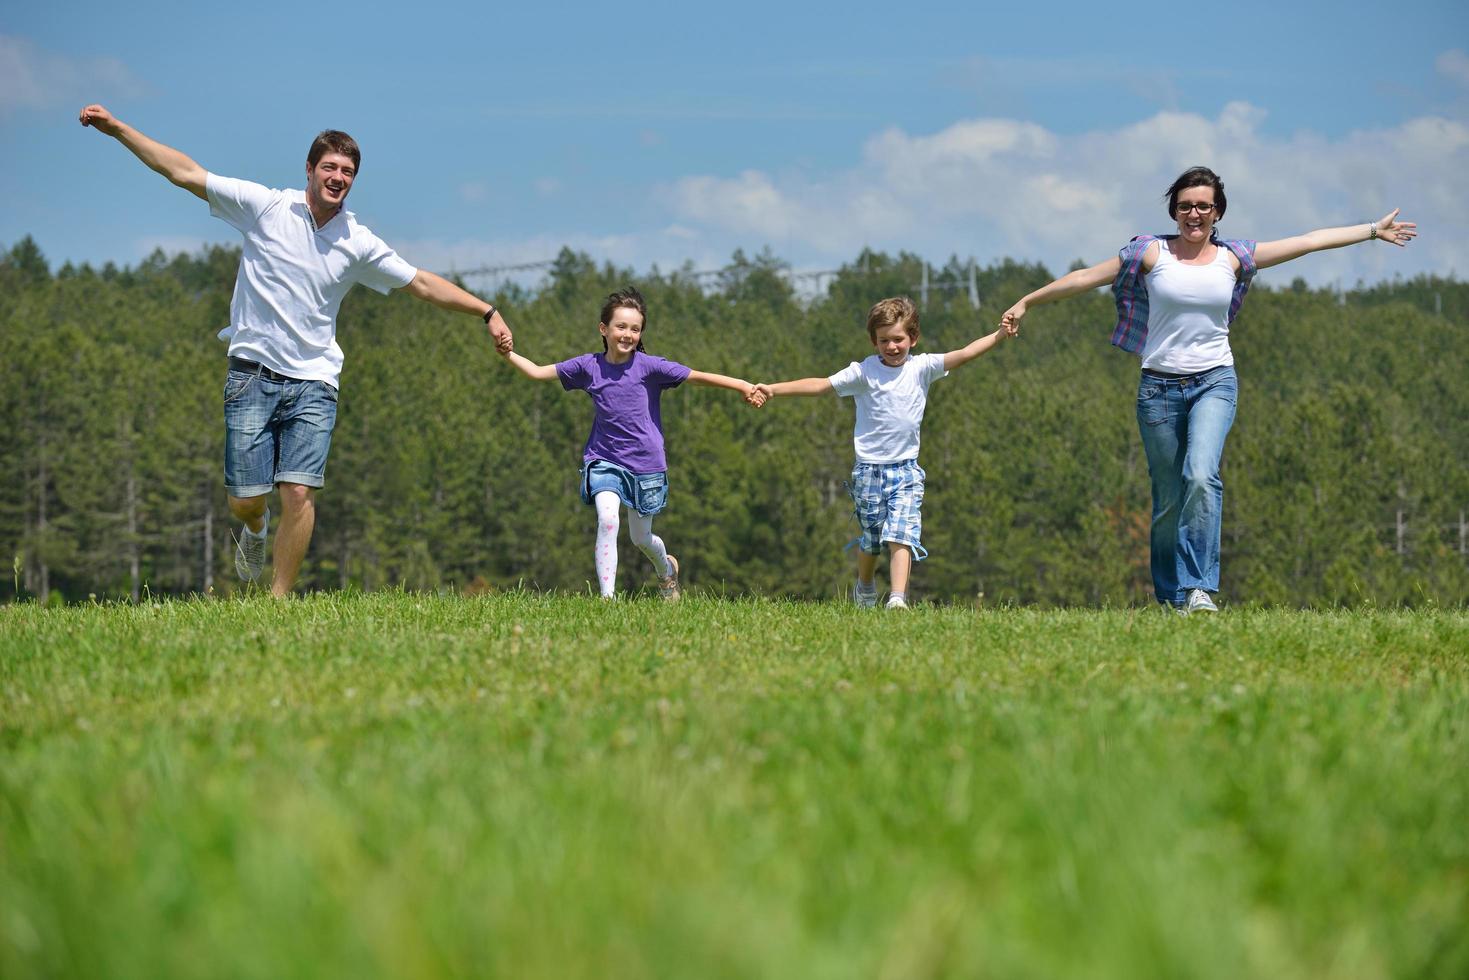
(1131, 290)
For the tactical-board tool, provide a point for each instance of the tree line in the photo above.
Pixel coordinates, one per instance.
(1346, 477)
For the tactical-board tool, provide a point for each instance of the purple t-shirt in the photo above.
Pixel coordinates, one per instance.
(628, 427)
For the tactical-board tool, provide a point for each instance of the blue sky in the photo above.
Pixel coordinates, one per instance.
(664, 133)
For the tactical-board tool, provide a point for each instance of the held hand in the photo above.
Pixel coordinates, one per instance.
(98, 118)
(754, 397)
(763, 390)
(1396, 232)
(1010, 321)
(500, 334)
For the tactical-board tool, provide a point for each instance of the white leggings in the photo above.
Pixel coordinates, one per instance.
(639, 528)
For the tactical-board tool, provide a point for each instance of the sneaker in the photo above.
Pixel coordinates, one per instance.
(897, 602)
(250, 551)
(864, 598)
(668, 584)
(1199, 601)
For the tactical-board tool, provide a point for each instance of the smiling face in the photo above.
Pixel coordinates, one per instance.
(1196, 213)
(328, 182)
(623, 332)
(893, 343)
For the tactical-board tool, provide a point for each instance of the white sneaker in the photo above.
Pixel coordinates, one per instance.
(1199, 601)
(863, 598)
(250, 551)
(897, 602)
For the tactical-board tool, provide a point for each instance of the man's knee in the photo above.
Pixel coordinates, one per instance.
(247, 508)
(295, 496)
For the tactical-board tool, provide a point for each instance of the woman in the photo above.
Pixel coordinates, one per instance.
(1176, 297)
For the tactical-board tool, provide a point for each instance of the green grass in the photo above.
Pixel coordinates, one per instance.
(532, 786)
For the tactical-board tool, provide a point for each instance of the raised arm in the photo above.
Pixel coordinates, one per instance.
(177, 167)
(1079, 281)
(529, 368)
(1387, 229)
(983, 345)
(442, 293)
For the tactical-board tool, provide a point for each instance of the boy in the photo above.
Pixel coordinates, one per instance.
(891, 391)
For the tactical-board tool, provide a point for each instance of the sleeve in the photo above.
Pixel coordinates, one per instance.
(668, 374)
(933, 368)
(848, 381)
(239, 203)
(573, 374)
(381, 268)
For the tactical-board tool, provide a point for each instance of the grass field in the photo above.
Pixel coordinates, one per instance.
(532, 786)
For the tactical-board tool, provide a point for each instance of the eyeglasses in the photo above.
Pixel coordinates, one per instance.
(1185, 208)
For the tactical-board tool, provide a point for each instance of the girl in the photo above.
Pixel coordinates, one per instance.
(623, 461)
(1177, 295)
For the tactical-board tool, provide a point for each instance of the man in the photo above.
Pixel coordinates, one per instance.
(302, 253)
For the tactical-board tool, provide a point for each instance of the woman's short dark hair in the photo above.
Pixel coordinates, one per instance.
(627, 297)
(1197, 177)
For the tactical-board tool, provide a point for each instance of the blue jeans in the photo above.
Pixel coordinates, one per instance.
(276, 430)
(1184, 422)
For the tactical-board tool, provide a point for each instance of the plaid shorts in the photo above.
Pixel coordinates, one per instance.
(889, 501)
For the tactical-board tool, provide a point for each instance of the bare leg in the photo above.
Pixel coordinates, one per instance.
(902, 565)
(298, 520)
(250, 510)
(866, 567)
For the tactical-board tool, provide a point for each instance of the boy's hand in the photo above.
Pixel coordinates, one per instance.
(1010, 321)
(765, 393)
(754, 397)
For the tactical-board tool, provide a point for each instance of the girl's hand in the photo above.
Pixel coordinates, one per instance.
(754, 396)
(1010, 321)
(1396, 232)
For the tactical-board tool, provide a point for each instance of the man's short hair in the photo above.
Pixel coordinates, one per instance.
(333, 141)
(895, 309)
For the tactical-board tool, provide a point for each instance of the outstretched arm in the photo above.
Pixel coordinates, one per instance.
(444, 294)
(1387, 229)
(1071, 284)
(983, 345)
(529, 368)
(177, 167)
(805, 386)
(724, 381)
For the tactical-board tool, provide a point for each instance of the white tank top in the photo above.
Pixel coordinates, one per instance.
(1188, 313)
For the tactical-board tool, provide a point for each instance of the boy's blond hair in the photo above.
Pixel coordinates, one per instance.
(894, 309)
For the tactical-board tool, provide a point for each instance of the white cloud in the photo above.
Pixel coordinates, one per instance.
(31, 78)
(1455, 64)
(994, 188)
(547, 186)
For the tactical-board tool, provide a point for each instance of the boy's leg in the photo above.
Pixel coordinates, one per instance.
(608, 506)
(900, 557)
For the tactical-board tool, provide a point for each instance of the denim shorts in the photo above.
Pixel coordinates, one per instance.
(888, 498)
(646, 493)
(276, 430)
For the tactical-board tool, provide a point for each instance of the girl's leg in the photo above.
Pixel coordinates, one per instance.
(640, 529)
(866, 570)
(1210, 415)
(607, 504)
(1164, 430)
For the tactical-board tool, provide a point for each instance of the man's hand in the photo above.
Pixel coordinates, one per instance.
(99, 119)
(500, 334)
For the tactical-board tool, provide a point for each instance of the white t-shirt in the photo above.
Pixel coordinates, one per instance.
(294, 275)
(890, 403)
(1188, 313)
